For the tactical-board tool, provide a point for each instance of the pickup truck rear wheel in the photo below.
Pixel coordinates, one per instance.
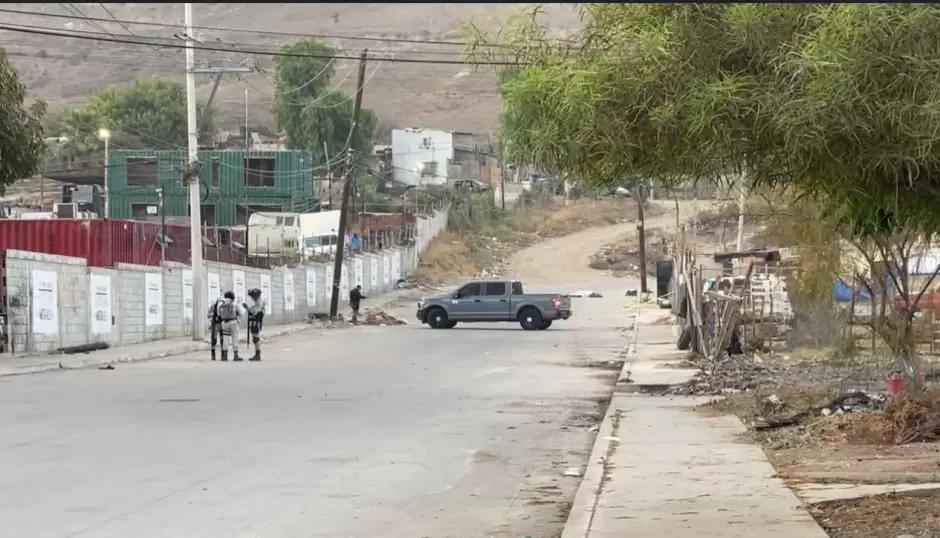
(530, 318)
(437, 318)
(545, 324)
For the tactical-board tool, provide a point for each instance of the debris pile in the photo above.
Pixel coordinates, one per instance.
(742, 373)
(324, 321)
(381, 318)
(777, 413)
(587, 293)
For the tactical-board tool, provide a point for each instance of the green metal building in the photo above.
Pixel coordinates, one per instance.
(235, 184)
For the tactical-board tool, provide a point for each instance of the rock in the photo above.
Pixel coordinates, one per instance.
(632, 293)
(595, 295)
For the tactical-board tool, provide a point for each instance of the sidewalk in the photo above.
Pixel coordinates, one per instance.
(156, 349)
(145, 351)
(660, 468)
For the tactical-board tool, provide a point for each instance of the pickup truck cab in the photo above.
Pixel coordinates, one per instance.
(494, 301)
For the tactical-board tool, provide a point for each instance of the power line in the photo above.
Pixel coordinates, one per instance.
(101, 39)
(126, 28)
(262, 32)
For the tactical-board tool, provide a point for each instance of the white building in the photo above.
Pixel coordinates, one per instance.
(421, 156)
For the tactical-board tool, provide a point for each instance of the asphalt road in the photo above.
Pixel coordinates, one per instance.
(361, 432)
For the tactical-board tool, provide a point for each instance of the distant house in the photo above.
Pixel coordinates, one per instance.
(421, 156)
(434, 157)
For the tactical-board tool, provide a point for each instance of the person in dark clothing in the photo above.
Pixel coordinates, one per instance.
(355, 298)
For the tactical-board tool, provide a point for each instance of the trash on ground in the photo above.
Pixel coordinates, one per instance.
(573, 472)
(586, 293)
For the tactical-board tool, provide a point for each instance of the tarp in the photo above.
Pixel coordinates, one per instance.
(842, 292)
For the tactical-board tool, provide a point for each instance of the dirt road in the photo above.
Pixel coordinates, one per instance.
(565, 260)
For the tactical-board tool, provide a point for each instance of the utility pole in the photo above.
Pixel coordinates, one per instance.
(502, 178)
(329, 173)
(245, 162)
(348, 175)
(641, 235)
(193, 172)
(194, 177)
(162, 226)
(741, 204)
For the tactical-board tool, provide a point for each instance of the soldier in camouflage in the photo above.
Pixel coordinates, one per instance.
(255, 321)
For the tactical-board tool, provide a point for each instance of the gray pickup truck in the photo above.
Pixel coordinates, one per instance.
(494, 301)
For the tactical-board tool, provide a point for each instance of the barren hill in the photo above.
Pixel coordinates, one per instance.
(458, 97)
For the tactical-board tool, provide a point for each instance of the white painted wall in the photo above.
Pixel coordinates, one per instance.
(411, 148)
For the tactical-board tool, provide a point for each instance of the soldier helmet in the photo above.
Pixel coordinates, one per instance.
(254, 293)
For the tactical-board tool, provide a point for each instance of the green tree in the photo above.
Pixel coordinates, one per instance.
(21, 136)
(147, 113)
(834, 102)
(309, 111)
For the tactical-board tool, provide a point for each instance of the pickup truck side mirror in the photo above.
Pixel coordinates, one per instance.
(457, 295)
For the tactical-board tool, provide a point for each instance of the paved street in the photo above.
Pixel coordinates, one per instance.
(369, 431)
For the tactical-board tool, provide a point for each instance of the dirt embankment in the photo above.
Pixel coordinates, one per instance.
(560, 241)
(489, 250)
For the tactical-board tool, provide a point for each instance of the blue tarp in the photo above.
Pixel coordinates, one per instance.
(842, 292)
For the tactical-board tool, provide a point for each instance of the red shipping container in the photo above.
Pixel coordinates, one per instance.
(51, 236)
(105, 243)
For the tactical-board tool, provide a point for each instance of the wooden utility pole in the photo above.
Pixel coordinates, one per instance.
(502, 178)
(641, 235)
(348, 175)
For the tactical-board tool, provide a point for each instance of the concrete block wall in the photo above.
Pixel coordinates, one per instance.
(74, 324)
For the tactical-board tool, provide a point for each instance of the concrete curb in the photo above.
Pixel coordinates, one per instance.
(92, 362)
(581, 515)
(142, 356)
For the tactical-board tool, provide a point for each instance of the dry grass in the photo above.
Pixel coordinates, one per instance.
(886, 516)
(455, 254)
(909, 418)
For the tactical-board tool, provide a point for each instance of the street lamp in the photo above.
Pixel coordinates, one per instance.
(105, 135)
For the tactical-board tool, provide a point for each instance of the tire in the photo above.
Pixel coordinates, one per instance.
(437, 318)
(545, 324)
(450, 325)
(530, 318)
(685, 339)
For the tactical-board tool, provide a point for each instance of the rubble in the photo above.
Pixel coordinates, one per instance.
(587, 293)
(741, 373)
(380, 318)
(324, 321)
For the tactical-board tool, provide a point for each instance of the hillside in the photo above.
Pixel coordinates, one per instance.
(455, 97)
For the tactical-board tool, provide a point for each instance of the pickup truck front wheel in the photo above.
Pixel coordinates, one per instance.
(437, 318)
(530, 318)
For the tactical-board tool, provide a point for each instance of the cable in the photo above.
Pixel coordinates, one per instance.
(75, 11)
(127, 29)
(305, 84)
(263, 32)
(313, 103)
(98, 38)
